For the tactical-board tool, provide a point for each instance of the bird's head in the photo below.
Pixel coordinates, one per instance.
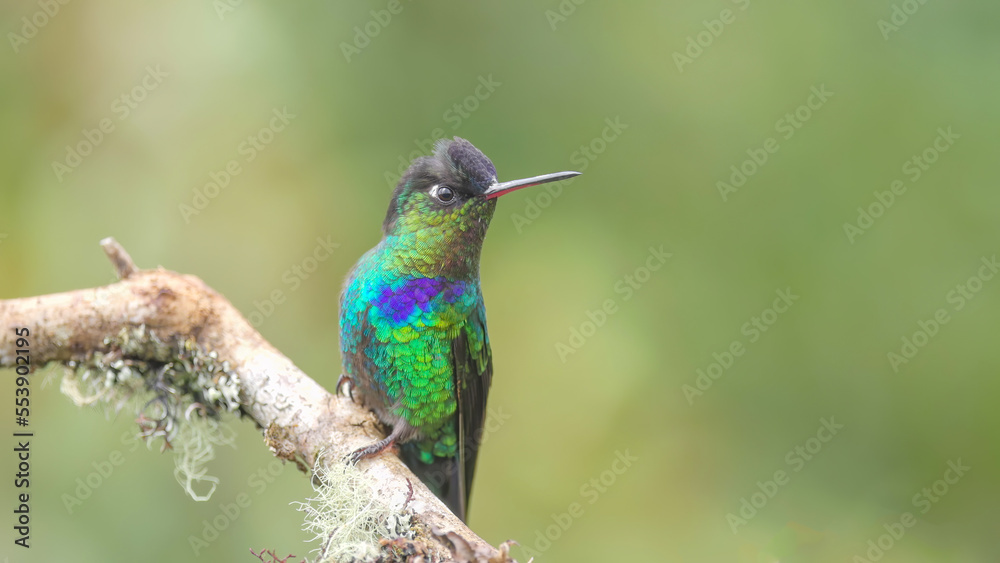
(454, 190)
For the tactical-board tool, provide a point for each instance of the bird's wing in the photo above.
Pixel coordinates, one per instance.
(473, 373)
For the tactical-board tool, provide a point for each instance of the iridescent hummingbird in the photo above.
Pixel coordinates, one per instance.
(412, 320)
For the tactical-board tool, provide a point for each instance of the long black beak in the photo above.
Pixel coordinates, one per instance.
(500, 188)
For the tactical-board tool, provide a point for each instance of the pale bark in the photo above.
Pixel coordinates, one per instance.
(300, 416)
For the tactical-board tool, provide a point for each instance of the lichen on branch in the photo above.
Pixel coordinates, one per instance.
(176, 390)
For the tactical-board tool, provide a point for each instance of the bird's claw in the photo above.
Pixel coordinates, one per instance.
(370, 450)
(344, 379)
(356, 456)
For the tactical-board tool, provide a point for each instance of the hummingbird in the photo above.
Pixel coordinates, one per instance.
(413, 335)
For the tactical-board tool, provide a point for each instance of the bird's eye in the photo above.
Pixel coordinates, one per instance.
(443, 194)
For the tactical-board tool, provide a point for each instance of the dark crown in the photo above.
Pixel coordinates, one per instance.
(470, 161)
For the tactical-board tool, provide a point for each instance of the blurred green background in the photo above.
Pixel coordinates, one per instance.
(695, 88)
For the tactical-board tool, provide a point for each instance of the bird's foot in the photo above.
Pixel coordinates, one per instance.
(344, 379)
(372, 450)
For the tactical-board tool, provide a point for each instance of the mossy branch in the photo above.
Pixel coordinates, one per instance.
(300, 418)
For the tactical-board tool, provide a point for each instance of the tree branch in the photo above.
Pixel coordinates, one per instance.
(300, 417)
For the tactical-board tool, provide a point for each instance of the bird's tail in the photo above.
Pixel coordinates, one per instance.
(444, 477)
